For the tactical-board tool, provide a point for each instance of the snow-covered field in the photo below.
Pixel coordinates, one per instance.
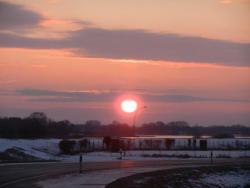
(48, 149)
(41, 148)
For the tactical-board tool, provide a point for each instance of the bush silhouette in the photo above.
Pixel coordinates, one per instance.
(67, 146)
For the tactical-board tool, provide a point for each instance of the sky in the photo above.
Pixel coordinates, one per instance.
(185, 60)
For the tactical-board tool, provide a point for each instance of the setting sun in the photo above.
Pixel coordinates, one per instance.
(129, 106)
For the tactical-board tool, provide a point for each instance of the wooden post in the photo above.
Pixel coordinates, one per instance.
(211, 157)
(80, 163)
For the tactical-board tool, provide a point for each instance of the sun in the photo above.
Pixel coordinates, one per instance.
(129, 105)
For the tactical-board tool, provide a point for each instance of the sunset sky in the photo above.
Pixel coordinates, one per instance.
(185, 60)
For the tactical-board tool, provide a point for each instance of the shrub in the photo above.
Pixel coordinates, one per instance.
(67, 146)
(107, 142)
(84, 144)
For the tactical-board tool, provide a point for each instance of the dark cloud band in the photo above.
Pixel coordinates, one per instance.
(13, 16)
(141, 45)
(93, 96)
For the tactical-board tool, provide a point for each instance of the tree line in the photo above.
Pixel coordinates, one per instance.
(38, 125)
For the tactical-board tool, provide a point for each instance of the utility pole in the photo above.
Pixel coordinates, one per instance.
(134, 118)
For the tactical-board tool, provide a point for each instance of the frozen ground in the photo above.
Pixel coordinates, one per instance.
(237, 179)
(48, 149)
(234, 176)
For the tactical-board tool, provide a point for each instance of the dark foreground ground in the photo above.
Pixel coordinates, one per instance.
(26, 175)
(186, 178)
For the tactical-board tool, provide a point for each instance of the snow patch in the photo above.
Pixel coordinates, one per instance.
(229, 179)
